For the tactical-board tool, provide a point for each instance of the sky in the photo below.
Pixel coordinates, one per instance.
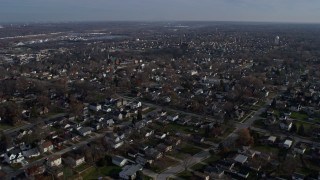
(306, 11)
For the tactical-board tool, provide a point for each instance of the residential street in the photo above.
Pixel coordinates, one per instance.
(82, 143)
(180, 166)
(31, 125)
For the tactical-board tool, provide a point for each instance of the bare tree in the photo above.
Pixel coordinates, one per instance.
(187, 162)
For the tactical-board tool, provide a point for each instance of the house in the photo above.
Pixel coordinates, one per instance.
(300, 148)
(85, 131)
(286, 125)
(243, 173)
(225, 164)
(153, 153)
(117, 116)
(133, 153)
(115, 140)
(13, 156)
(119, 160)
(74, 160)
(30, 153)
(271, 139)
(239, 158)
(97, 126)
(163, 113)
(173, 141)
(164, 148)
(198, 139)
(143, 160)
(34, 170)
(95, 107)
(173, 117)
(297, 176)
(287, 144)
(160, 135)
(109, 122)
(46, 146)
(130, 171)
(200, 175)
(56, 172)
(54, 161)
(214, 172)
(295, 107)
(148, 132)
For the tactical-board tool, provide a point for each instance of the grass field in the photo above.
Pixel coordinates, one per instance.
(198, 167)
(299, 116)
(189, 149)
(162, 164)
(185, 175)
(96, 172)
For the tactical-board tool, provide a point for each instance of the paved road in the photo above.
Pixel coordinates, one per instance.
(180, 166)
(33, 124)
(210, 118)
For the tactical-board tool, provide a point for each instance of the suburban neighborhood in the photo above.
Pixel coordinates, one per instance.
(160, 101)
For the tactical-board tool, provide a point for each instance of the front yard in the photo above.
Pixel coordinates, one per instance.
(96, 172)
(185, 174)
(162, 164)
(189, 149)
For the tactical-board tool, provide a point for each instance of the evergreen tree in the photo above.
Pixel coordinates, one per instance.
(301, 130)
(294, 128)
(139, 116)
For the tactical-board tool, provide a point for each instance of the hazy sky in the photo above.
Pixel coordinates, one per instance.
(159, 10)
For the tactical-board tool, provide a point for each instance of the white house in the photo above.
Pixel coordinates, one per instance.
(54, 161)
(161, 135)
(286, 125)
(84, 131)
(95, 107)
(109, 122)
(47, 146)
(130, 171)
(74, 161)
(300, 148)
(287, 143)
(173, 117)
(241, 158)
(119, 160)
(272, 139)
(13, 156)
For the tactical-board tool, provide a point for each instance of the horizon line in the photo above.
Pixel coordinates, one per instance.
(156, 21)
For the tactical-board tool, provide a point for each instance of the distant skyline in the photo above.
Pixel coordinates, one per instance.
(305, 11)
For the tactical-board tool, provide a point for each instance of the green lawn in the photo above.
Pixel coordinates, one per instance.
(299, 116)
(176, 127)
(82, 167)
(307, 126)
(150, 109)
(67, 173)
(198, 167)
(190, 149)
(259, 123)
(162, 164)
(267, 149)
(145, 177)
(177, 154)
(212, 159)
(5, 127)
(96, 172)
(185, 175)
